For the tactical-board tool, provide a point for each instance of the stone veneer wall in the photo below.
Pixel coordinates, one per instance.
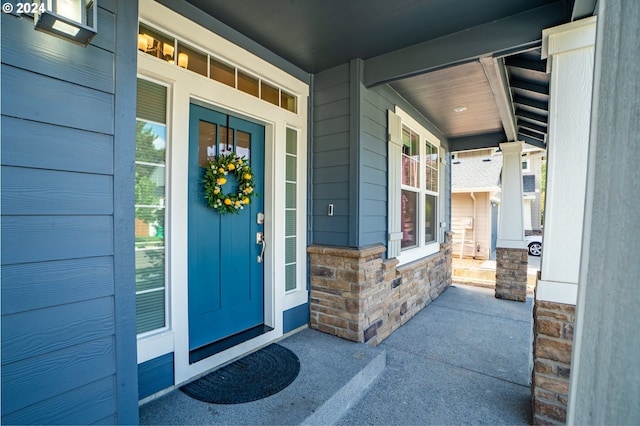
(359, 296)
(552, 346)
(511, 273)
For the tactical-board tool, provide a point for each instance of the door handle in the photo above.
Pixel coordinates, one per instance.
(260, 240)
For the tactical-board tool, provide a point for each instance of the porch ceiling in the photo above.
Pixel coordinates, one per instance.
(480, 54)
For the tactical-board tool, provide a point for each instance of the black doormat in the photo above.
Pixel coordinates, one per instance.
(256, 376)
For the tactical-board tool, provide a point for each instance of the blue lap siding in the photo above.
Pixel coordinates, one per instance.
(349, 157)
(68, 306)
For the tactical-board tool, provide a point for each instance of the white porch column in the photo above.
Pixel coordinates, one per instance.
(511, 226)
(569, 50)
(511, 254)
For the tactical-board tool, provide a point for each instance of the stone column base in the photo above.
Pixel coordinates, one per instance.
(552, 347)
(511, 273)
(359, 296)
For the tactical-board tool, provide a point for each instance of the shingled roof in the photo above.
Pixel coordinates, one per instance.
(471, 173)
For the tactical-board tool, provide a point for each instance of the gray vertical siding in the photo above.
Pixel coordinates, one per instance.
(350, 157)
(68, 314)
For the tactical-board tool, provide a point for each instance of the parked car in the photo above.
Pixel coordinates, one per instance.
(534, 244)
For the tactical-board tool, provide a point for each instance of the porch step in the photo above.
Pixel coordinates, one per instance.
(334, 375)
(335, 407)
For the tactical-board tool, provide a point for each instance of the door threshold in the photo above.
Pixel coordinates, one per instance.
(206, 351)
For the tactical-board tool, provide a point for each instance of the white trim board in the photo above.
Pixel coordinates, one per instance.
(558, 292)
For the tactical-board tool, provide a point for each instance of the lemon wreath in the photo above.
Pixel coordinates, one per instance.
(215, 178)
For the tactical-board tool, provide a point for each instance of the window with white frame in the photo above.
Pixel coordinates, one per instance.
(414, 195)
(150, 196)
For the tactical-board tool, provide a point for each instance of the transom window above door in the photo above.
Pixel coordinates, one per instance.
(164, 47)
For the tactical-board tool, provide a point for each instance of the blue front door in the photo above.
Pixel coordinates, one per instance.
(226, 280)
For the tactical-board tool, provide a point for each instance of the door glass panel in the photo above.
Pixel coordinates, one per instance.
(243, 144)
(207, 146)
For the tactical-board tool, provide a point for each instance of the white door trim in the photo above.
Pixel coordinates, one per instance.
(186, 86)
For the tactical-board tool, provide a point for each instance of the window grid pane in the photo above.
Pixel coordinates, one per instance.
(291, 168)
(248, 84)
(151, 133)
(192, 60)
(430, 218)
(161, 46)
(410, 158)
(409, 202)
(225, 74)
(431, 167)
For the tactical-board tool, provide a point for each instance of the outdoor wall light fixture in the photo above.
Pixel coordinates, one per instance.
(74, 20)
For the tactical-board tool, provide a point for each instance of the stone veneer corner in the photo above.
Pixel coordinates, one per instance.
(359, 296)
(552, 347)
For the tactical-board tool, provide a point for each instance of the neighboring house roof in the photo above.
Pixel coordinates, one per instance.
(476, 173)
(528, 183)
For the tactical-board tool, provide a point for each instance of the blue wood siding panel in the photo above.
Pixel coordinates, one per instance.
(350, 158)
(43, 238)
(39, 378)
(295, 317)
(330, 154)
(372, 223)
(40, 98)
(33, 333)
(52, 56)
(86, 405)
(28, 191)
(68, 282)
(155, 375)
(30, 286)
(22, 139)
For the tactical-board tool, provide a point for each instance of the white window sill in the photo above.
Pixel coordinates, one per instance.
(414, 254)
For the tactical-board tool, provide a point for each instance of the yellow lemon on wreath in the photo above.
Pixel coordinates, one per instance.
(216, 191)
(247, 176)
(221, 181)
(221, 170)
(231, 166)
(227, 201)
(245, 200)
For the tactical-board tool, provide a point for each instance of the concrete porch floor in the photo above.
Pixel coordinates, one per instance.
(462, 359)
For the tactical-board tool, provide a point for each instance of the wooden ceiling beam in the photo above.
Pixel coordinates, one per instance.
(497, 78)
(539, 89)
(527, 64)
(507, 35)
(531, 103)
(538, 118)
(487, 140)
(532, 126)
